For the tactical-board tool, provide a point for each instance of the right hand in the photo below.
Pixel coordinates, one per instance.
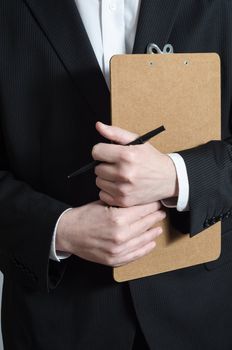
(109, 235)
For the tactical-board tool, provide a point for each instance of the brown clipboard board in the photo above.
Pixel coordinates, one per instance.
(183, 93)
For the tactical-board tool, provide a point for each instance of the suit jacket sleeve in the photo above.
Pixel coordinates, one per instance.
(209, 168)
(27, 221)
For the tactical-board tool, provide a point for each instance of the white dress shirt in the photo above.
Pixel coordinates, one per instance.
(111, 27)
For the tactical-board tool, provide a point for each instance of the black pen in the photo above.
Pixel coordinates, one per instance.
(141, 139)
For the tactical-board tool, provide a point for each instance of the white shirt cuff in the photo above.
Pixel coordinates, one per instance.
(57, 255)
(182, 202)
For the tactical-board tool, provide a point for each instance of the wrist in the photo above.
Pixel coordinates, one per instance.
(172, 187)
(63, 243)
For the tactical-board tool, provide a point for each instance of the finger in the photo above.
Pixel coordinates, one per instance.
(137, 229)
(137, 254)
(107, 186)
(133, 214)
(127, 234)
(109, 153)
(116, 200)
(137, 212)
(144, 224)
(107, 198)
(138, 242)
(116, 134)
(107, 172)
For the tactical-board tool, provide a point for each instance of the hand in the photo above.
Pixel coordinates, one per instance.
(107, 235)
(132, 175)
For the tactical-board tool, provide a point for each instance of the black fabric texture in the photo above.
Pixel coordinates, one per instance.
(52, 92)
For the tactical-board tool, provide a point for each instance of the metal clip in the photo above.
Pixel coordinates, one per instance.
(168, 49)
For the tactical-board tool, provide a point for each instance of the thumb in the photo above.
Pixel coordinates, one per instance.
(115, 134)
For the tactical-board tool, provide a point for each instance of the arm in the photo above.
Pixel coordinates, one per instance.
(27, 221)
(209, 169)
(143, 174)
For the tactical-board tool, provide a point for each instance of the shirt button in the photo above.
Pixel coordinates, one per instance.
(112, 6)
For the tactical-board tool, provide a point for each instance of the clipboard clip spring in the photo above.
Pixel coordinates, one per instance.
(151, 48)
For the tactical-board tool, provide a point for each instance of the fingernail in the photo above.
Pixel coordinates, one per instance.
(153, 245)
(159, 231)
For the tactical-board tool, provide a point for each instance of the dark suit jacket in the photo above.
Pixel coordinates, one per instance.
(51, 94)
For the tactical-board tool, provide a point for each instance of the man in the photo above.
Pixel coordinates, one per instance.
(53, 93)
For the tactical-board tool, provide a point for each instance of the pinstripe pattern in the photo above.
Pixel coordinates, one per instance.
(51, 94)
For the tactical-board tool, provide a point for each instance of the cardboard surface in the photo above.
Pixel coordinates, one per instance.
(181, 92)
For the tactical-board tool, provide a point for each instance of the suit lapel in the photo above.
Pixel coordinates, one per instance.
(62, 25)
(155, 23)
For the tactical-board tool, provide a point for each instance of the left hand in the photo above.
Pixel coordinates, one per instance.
(132, 175)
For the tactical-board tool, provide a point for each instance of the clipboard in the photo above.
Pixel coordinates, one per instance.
(183, 93)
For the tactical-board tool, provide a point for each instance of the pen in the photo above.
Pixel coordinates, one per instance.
(140, 140)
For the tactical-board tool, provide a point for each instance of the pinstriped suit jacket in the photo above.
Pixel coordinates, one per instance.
(51, 94)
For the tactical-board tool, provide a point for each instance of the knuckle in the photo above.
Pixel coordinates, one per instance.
(114, 251)
(122, 190)
(129, 155)
(131, 176)
(109, 260)
(123, 154)
(115, 218)
(118, 238)
(122, 174)
(123, 201)
(126, 174)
